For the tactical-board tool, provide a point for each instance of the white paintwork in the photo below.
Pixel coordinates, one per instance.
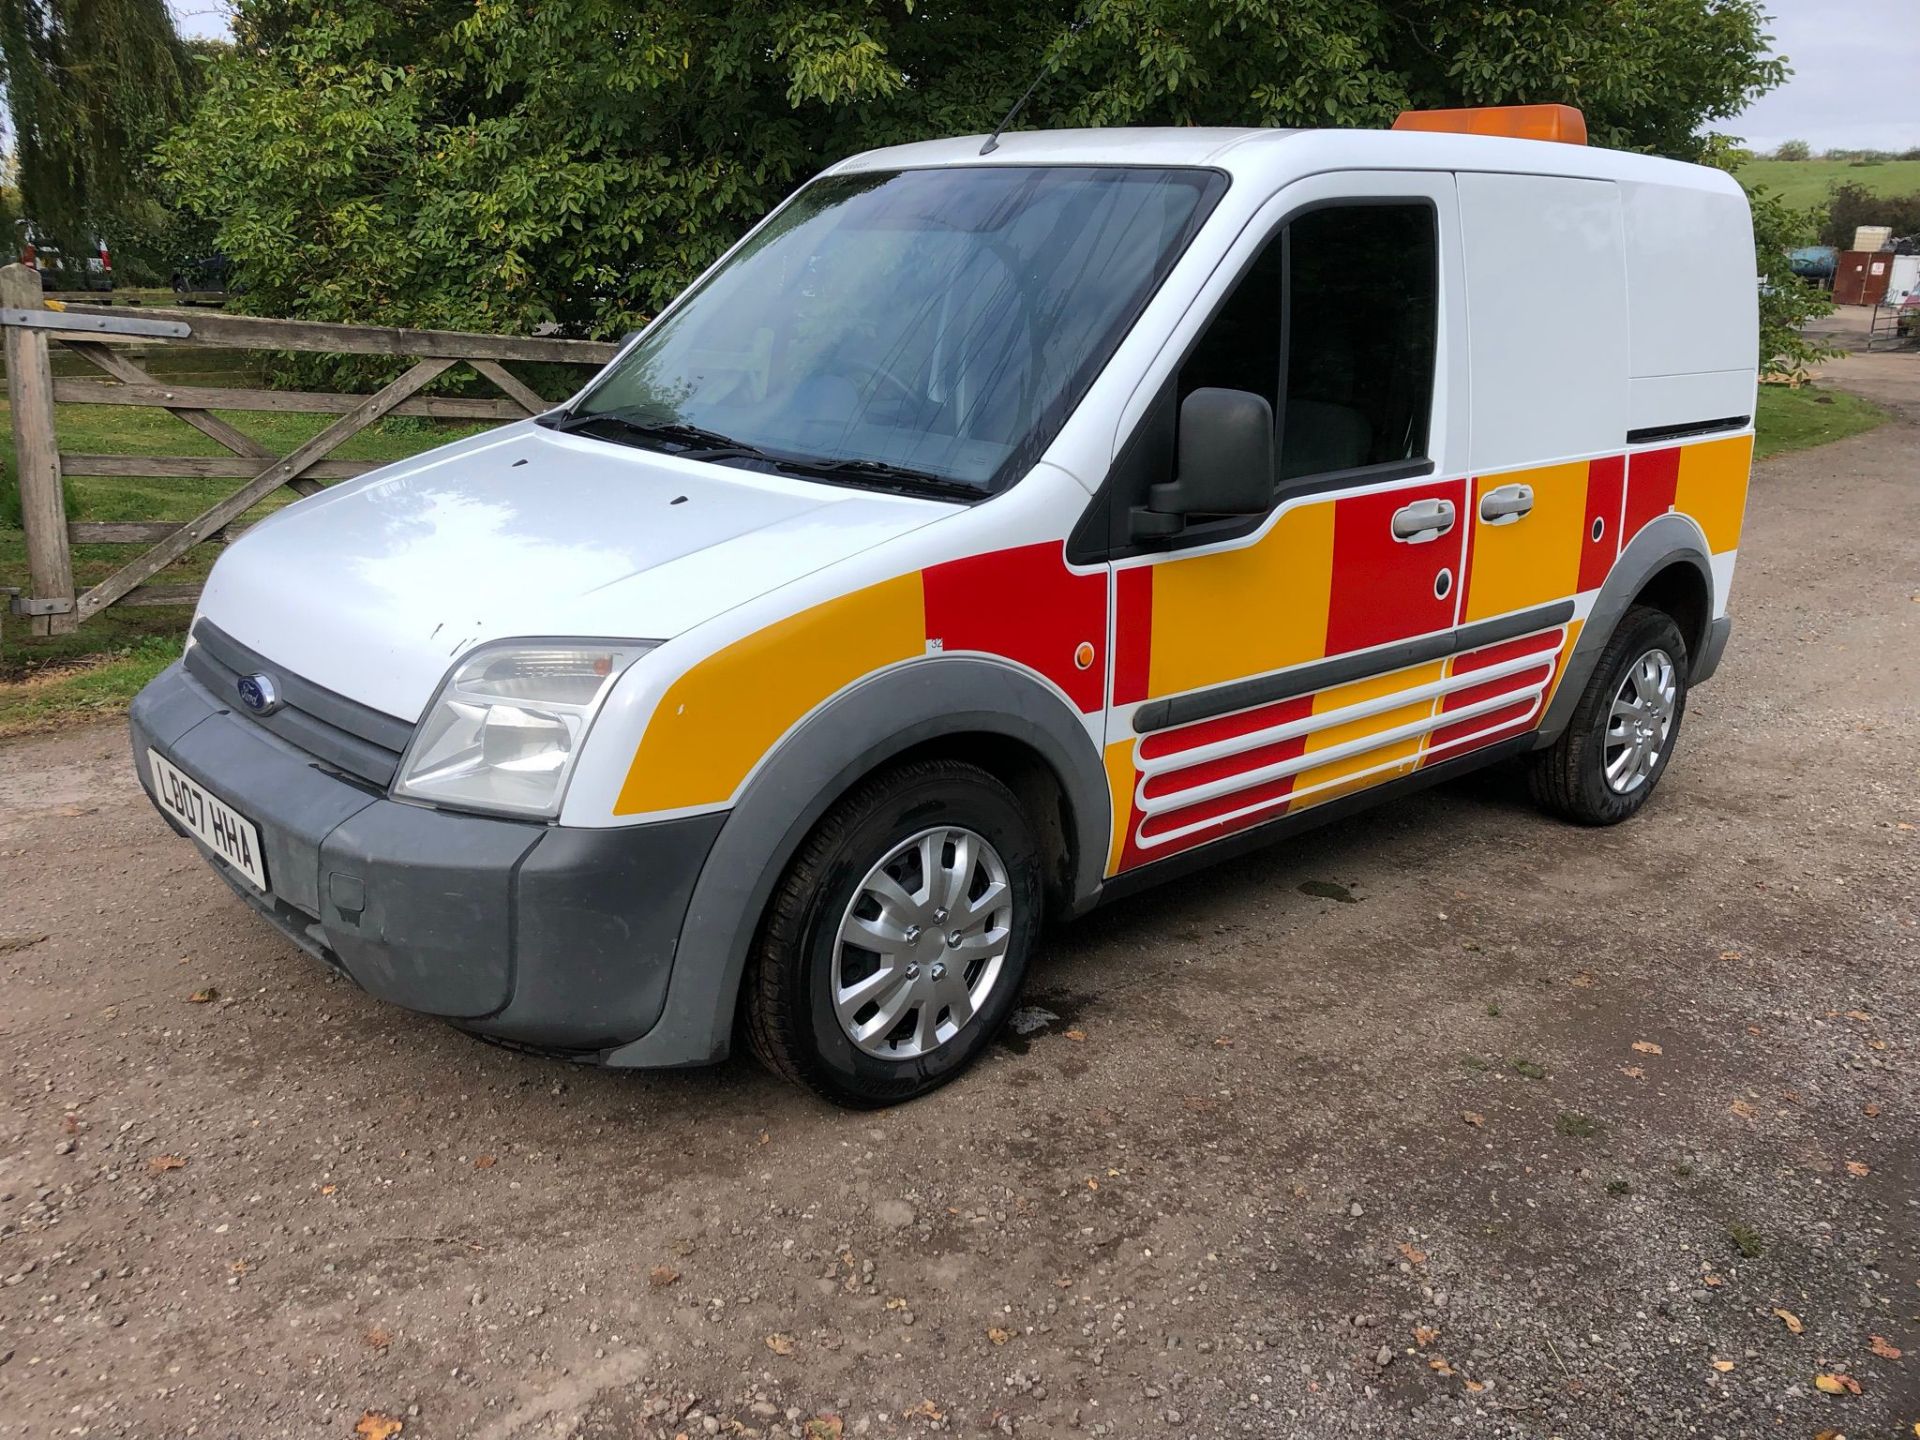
(374, 588)
(1547, 288)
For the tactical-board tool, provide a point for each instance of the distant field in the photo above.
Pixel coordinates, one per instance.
(1806, 182)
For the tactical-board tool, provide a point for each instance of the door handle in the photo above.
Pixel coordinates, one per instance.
(1422, 521)
(1506, 504)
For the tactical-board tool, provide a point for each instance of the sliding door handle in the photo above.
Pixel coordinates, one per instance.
(1423, 520)
(1506, 504)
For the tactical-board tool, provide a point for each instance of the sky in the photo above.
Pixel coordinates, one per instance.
(1856, 71)
(1856, 80)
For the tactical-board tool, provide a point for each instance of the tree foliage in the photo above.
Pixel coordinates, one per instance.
(497, 164)
(92, 86)
(1849, 206)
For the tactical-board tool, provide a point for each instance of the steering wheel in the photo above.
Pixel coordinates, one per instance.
(853, 368)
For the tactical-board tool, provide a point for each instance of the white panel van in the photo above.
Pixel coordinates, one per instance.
(993, 531)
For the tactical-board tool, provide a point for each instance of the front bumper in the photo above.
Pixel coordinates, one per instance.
(555, 937)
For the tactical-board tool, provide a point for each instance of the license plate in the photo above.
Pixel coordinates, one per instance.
(224, 830)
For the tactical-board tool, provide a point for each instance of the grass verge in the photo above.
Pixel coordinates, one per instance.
(1796, 419)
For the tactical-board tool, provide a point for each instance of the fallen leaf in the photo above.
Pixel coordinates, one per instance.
(997, 1335)
(896, 1302)
(766, 1137)
(484, 1162)
(825, 1427)
(1836, 1384)
(379, 1337)
(1413, 1254)
(1076, 1034)
(780, 1344)
(1475, 1386)
(1439, 1365)
(1584, 980)
(1473, 1119)
(925, 1410)
(1855, 1168)
(328, 1189)
(375, 1426)
(1092, 1184)
(1729, 954)
(1742, 1109)
(1647, 1047)
(1870, 1110)
(239, 1267)
(1424, 1335)
(1712, 1282)
(70, 1124)
(662, 1276)
(166, 1162)
(1790, 1320)
(1884, 1348)
(1633, 1072)
(202, 997)
(1861, 1016)
(1723, 1366)
(1224, 1042)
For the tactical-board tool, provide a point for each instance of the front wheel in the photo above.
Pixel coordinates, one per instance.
(895, 946)
(1622, 734)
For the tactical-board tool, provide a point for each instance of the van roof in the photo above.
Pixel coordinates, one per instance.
(1281, 155)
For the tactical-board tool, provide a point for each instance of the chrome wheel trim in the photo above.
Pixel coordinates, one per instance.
(922, 944)
(1640, 722)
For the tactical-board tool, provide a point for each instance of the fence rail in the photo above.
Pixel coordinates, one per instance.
(99, 335)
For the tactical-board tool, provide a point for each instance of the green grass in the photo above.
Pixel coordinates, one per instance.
(64, 695)
(1796, 419)
(1803, 183)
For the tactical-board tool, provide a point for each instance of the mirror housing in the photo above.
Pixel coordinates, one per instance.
(1226, 463)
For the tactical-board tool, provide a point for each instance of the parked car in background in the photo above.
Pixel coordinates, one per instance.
(207, 275)
(995, 531)
(60, 271)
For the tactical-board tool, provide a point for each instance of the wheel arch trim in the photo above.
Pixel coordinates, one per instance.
(892, 712)
(1670, 540)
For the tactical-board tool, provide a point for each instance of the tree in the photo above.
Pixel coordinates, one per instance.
(1850, 205)
(494, 164)
(91, 87)
(1793, 150)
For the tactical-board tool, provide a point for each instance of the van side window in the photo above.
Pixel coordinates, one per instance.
(1361, 301)
(1340, 308)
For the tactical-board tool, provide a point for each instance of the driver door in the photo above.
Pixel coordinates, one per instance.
(1300, 655)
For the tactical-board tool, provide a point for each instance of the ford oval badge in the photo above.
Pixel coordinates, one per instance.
(258, 693)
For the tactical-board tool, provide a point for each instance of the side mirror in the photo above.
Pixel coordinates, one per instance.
(1225, 463)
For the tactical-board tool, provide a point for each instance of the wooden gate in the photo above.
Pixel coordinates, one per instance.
(99, 334)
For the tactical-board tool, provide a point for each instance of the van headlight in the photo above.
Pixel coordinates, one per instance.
(504, 731)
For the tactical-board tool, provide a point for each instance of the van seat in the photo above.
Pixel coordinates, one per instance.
(1319, 436)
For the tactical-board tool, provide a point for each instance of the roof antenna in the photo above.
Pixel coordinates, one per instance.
(993, 140)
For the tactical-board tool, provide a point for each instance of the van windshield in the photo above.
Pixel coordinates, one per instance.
(932, 325)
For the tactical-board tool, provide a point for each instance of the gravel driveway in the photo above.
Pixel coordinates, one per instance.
(1449, 1120)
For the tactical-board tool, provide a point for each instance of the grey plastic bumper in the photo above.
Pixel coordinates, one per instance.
(547, 936)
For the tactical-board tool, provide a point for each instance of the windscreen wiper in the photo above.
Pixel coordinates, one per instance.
(691, 438)
(882, 476)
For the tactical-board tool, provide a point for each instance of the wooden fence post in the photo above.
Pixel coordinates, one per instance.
(37, 456)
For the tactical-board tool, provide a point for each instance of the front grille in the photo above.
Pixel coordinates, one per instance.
(342, 734)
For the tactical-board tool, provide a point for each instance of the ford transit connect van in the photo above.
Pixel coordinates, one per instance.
(987, 535)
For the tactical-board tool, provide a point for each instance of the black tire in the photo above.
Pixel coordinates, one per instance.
(787, 1005)
(1569, 777)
